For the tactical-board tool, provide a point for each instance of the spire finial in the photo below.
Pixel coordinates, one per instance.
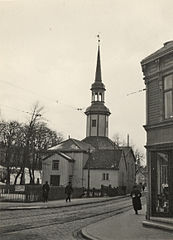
(98, 37)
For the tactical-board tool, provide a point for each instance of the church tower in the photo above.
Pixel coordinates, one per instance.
(97, 113)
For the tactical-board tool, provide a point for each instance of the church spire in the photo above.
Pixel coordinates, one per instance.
(98, 77)
(97, 113)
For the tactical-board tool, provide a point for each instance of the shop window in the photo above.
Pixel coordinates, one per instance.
(168, 96)
(162, 194)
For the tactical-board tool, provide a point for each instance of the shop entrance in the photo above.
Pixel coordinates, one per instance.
(161, 184)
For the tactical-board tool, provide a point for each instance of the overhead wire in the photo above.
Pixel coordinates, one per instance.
(141, 90)
(43, 96)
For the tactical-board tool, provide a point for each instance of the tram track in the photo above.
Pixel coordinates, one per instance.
(63, 209)
(67, 219)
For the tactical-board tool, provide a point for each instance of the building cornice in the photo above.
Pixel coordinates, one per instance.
(160, 146)
(156, 56)
(165, 123)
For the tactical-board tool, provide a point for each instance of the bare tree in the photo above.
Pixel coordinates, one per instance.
(10, 133)
(43, 138)
(23, 144)
(118, 140)
(28, 139)
(139, 155)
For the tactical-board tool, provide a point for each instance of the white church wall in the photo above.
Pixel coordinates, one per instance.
(94, 129)
(102, 123)
(80, 159)
(96, 178)
(63, 171)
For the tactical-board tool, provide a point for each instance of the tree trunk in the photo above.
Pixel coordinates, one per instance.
(18, 174)
(31, 176)
(8, 175)
(22, 178)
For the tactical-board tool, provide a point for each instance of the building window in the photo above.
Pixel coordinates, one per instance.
(94, 123)
(55, 165)
(55, 180)
(168, 96)
(105, 176)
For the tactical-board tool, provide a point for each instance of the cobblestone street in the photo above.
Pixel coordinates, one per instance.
(56, 223)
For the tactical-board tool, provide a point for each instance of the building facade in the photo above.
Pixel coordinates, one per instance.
(65, 162)
(158, 76)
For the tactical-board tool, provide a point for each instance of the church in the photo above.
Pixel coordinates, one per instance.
(96, 160)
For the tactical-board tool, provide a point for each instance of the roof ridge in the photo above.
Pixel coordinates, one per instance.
(74, 140)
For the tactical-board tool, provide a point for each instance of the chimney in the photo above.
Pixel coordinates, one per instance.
(127, 140)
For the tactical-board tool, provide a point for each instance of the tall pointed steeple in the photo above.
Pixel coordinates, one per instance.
(97, 113)
(98, 77)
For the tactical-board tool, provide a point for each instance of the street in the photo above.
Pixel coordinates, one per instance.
(57, 223)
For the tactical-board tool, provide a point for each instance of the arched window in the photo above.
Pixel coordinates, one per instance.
(100, 97)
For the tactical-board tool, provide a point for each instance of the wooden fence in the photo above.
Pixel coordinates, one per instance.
(33, 193)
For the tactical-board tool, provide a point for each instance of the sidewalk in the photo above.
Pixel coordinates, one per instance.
(125, 226)
(53, 204)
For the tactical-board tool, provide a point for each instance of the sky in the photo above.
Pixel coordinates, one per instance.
(48, 52)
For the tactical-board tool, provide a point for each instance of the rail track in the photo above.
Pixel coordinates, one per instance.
(63, 215)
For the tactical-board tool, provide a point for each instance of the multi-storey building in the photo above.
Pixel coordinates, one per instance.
(158, 77)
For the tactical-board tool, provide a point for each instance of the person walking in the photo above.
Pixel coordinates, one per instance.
(45, 189)
(68, 191)
(136, 199)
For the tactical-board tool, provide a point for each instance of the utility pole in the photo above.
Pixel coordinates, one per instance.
(89, 155)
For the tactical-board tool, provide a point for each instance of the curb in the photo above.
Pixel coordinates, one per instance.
(86, 235)
(50, 207)
(157, 225)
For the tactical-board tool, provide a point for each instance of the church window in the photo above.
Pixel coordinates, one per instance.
(96, 97)
(55, 165)
(100, 97)
(94, 123)
(105, 176)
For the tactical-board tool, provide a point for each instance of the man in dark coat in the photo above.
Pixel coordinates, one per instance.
(45, 189)
(68, 192)
(136, 199)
